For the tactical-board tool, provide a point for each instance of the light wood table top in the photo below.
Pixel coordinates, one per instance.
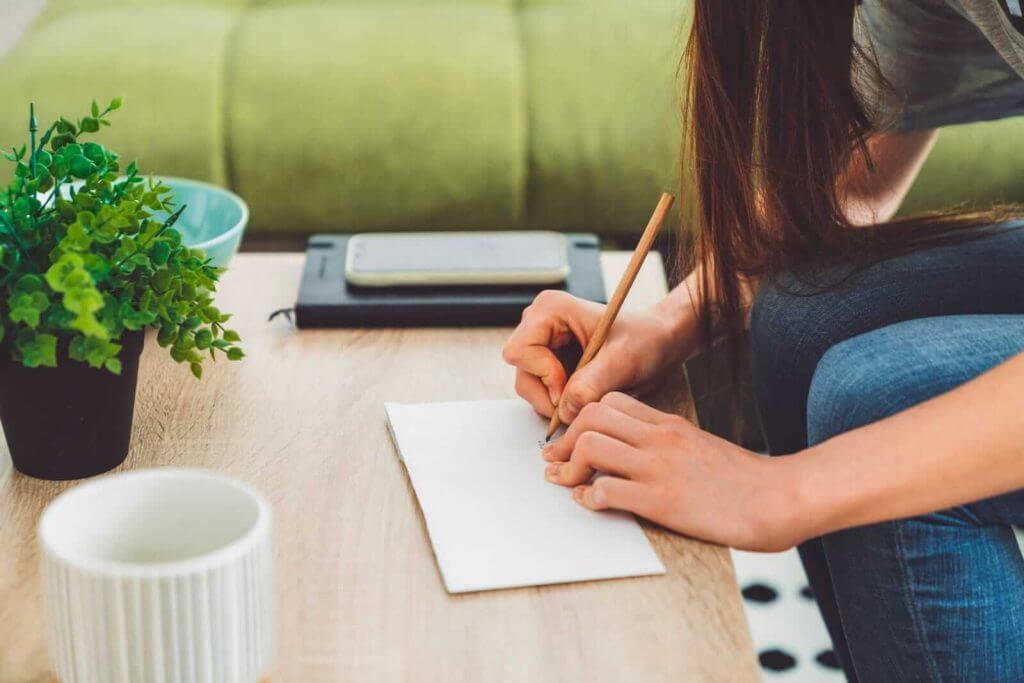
(358, 593)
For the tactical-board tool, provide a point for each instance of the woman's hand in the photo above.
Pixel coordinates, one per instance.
(664, 468)
(638, 347)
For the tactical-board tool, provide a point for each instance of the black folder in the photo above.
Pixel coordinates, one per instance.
(326, 299)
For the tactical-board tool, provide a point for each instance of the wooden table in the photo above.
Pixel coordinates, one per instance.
(359, 597)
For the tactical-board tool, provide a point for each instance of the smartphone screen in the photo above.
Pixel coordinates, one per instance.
(392, 259)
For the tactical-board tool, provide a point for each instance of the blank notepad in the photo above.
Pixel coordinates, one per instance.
(493, 519)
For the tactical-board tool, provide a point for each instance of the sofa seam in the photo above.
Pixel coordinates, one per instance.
(525, 189)
(227, 165)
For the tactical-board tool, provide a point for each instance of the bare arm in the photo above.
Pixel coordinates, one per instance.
(875, 196)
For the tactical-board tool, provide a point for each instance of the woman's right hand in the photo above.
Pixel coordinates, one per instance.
(638, 347)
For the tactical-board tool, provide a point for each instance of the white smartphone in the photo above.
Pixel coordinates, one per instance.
(456, 258)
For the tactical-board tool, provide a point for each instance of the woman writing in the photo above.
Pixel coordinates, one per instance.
(887, 354)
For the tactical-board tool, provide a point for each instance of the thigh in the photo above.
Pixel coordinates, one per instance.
(937, 597)
(797, 317)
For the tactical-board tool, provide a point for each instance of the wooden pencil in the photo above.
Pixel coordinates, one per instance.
(610, 313)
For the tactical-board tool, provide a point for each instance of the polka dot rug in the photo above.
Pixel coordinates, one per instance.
(789, 636)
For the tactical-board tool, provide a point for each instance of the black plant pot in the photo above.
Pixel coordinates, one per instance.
(71, 421)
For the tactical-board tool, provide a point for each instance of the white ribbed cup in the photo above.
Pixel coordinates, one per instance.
(159, 576)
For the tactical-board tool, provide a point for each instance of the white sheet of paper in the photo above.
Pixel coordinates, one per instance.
(492, 518)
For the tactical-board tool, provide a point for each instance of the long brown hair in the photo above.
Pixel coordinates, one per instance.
(778, 104)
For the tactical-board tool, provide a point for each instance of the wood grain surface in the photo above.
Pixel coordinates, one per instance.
(358, 594)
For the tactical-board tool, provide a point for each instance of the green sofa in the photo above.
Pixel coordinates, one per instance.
(350, 115)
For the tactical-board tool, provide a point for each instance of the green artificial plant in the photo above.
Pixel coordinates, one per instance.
(85, 258)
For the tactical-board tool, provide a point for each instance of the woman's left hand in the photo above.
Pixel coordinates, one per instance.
(664, 468)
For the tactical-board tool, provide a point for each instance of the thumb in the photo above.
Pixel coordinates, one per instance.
(589, 384)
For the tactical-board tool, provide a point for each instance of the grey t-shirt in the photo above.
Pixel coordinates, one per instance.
(949, 61)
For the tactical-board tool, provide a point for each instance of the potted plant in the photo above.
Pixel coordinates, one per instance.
(87, 264)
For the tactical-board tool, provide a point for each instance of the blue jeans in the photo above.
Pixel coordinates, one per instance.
(938, 597)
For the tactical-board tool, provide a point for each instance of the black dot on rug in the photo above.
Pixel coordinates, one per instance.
(776, 660)
(807, 593)
(759, 592)
(828, 659)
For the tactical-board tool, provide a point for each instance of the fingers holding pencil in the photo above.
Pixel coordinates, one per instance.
(604, 325)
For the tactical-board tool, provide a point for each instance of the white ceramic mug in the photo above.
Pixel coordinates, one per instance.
(160, 575)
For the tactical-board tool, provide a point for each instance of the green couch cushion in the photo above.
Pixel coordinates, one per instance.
(604, 118)
(359, 117)
(167, 63)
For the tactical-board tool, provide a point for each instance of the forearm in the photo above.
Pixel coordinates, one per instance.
(874, 194)
(960, 447)
(679, 310)
(682, 307)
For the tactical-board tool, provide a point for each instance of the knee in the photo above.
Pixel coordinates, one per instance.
(871, 376)
(844, 391)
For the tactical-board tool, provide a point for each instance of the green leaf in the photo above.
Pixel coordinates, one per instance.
(204, 339)
(77, 239)
(231, 336)
(161, 280)
(115, 104)
(113, 365)
(235, 353)
(36, 350)
(96, 352)
(197, 369)
(59, 141)
(95, 108)
(94, 152)
(160, 253)
(27, 308)
(29, 283)
(59, 272)
(72, 150)
(83, 300)
(167, 335)
(81, 167)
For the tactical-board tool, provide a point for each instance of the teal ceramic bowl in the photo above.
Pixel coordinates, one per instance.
(215, 219)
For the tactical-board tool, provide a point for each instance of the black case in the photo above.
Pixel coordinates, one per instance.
(326, 299)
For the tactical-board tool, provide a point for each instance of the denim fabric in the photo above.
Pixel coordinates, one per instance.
(938, 597)
(797, 318)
